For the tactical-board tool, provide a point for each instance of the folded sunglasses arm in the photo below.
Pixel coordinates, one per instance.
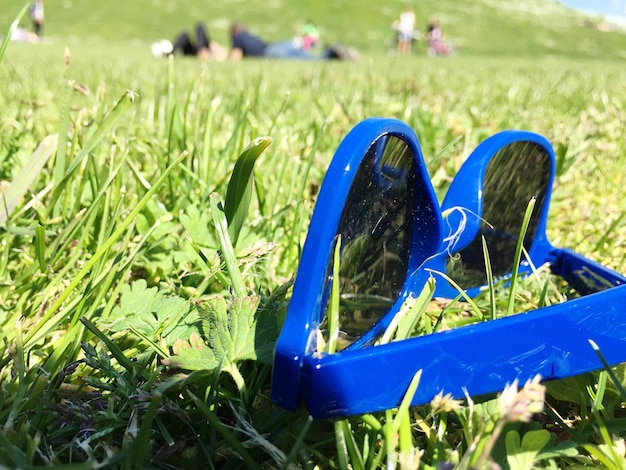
(472, 360)
(585, 275)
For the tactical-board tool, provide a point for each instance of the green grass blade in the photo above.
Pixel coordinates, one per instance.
(598, 393)
(405, 404)
(82, 218)
(14, 25)
(154, 346)
(297, 444)
(239, 191)
(123, 225)
(108, 123)
(333, 308)
(616, 381)
(346, 442)
(605, 236)
(518, 256)
(462, 293)
(405, 321)
(26, 176)
(393, 426)
(60, 162)
(11, 455)
(343, 458)
(405, 436)
(227, 251)
(136, 458)
(115, 350)
(223, 431)
(488, 270)
(40, 247)
(543, 298)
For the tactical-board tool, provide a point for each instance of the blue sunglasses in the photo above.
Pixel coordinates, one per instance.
(377, 199)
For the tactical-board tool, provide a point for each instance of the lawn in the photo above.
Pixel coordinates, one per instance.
(123, 266)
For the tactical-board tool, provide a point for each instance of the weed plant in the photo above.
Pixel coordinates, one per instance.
(153, 214)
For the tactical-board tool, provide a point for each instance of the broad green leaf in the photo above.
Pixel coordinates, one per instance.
(159, 255)
(177, 318)
(522, 455)
(562, 449)
(192, 354)
(196, 223)
(239, 191)
(229, 327)
(153, 314)
(135, 300)
(572, 389)
(155, 213)
(232, 331)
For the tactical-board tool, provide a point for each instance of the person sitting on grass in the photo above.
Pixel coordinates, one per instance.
(436, 44)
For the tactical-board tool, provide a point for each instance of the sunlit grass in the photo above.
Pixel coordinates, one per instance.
(112, 260)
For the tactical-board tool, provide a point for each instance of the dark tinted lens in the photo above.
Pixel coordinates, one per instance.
(517, 173)
(376, 233)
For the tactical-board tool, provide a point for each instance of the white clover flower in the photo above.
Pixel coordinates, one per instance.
(522, 405)
(444, 403)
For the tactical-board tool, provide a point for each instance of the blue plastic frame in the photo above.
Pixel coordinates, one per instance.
(297, 340)
(552, 341)
(465, 191)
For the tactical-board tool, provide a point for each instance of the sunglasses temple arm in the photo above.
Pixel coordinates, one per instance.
(585, 275)
(553, 342)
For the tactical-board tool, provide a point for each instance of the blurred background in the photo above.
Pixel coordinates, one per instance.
(476, 27)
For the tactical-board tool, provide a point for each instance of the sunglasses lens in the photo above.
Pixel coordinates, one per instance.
(376, 234)
(516, 173)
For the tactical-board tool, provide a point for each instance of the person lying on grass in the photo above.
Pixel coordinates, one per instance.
(246, 44)
(202, 46)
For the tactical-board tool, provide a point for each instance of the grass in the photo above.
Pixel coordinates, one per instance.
(118, 277)
(532, 28)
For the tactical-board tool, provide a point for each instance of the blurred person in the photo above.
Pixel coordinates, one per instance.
(37, 16)
(436, 45)
(246, 44)
(21, 34)
(405, 28)
(201, 47)
(310, 36)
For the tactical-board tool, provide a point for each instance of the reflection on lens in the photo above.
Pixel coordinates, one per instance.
(376, 234)
(517, 173)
